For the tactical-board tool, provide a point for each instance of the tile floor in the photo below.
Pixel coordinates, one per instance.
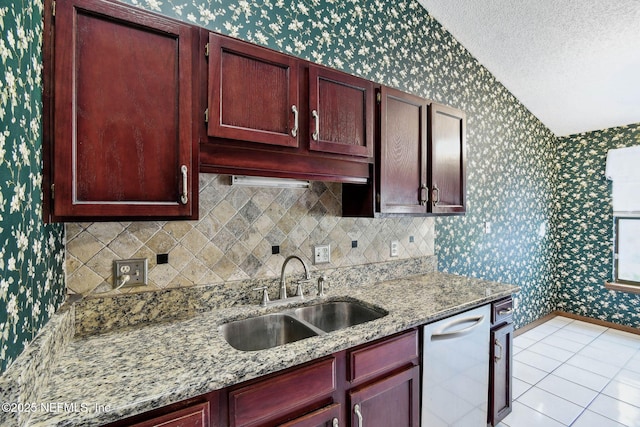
(572, 373)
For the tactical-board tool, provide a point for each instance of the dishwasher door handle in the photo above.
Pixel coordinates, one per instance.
(457, 333)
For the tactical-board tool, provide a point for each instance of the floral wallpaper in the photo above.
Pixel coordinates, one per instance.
(31, 253)
(585, 227)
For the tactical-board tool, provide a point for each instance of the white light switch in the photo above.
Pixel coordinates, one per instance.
(394, 248)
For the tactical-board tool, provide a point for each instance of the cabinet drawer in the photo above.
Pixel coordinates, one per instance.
(502, 311)
(193, 416)
(272, 398)
(373, 360)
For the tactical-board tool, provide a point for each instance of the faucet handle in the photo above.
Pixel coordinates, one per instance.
(265, 295)
(299, 289)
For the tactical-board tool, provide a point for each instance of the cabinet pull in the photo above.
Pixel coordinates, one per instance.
(436, 195)
(505, 311)
(499, 356)
(335, 423)
(316, 133)
(441, 335)
(356, 409)
(185, 185)
(294, 131)
(423, 200)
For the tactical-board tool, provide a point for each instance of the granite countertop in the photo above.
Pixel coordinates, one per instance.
(132, 371)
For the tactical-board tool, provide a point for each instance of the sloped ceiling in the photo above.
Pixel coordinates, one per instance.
(575, 64)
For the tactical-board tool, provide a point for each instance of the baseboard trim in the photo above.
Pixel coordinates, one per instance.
(599, 322)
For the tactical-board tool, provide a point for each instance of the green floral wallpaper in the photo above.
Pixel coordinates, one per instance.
(585, 227)
(511, 154)
(31, 253)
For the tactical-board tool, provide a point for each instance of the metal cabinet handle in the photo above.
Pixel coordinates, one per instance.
(356, 409)
(335, 422)
(499, 356)
(422, 199)
(436, 195)
(477, 321)
(294, 131)
(505, 311)
(316, 134)
(184, 198)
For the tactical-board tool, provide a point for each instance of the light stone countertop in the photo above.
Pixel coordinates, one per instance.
(139, 369)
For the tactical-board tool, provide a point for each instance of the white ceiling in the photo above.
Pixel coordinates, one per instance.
(575, 64)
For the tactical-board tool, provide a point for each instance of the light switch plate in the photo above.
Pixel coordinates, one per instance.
(321, 254)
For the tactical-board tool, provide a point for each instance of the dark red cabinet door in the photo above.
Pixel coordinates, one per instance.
(403, 153)
(253, 93)
(123, 141)
(391, 401)
(500, 373)
(341, 113)
(448, 160)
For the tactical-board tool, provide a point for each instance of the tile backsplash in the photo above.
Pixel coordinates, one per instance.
(234, 237)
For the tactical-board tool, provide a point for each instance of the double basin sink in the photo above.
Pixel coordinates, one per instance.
(272, 330)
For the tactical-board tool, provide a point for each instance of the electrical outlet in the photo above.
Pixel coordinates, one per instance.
(321, 254)
(136, 269)
(394, 248)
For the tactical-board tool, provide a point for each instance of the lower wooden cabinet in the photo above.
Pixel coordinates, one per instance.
(501, 363)
(270, 401)
(382, 378)
(193, 416)
(393, 400)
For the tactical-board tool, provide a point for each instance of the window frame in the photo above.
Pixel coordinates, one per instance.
(616, 246)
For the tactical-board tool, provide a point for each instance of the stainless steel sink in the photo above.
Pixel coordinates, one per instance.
(334, 315)
(272, 330)
(268, 331)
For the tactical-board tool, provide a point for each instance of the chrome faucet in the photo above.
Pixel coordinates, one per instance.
(283, 281)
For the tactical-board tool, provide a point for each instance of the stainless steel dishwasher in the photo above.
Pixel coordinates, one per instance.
(456, 370)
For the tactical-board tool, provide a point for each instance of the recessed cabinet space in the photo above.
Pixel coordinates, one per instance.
(420, 160)
(119, 136)
(267, 113)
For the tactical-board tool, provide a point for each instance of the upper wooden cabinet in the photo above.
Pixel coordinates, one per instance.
(448, 161)
(253, 93)
(402, 180)
(121, 140)
(341, 113)
(271, 114)
(420, 160)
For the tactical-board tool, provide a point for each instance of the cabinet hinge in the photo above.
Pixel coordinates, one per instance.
(378, 97)
(53, 191)
(206, 49)
(53, 8)
(206, 115)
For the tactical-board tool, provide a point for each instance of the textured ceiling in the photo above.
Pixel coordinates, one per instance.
(575, 64)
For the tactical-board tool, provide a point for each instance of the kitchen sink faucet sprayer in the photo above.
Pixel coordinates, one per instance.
(283, 281)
